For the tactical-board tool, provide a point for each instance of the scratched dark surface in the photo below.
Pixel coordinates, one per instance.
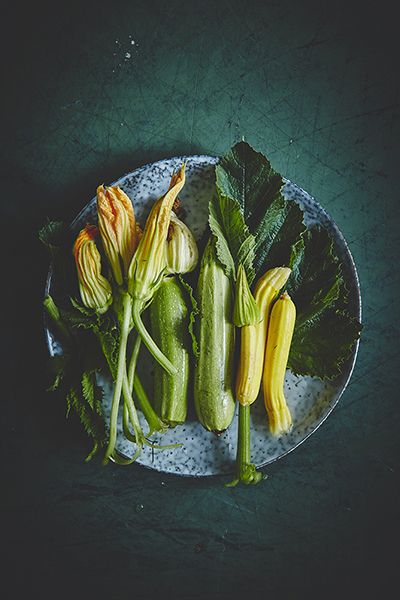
(91, 92)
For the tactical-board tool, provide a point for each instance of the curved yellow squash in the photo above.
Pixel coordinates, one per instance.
(253, 337)
(279, 338)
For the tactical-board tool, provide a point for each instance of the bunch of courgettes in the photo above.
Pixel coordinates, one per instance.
(144, 270)
(264, 351)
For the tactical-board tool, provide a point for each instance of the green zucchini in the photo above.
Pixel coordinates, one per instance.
(213, 394)
(169, 328)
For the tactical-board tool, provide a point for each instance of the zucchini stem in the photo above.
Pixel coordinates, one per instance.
(132, 438)
(139, 436)
(153, 420)
(121, 372)
(133, 361)
(125, 425)
(120, 460)
(130, 415)
(245, 471)
(130, 409)
(148, 340)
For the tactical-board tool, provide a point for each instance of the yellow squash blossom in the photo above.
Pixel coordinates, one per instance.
(95, 290)
(118, 229)
(182, 253)
(150, 260)
(149, 263)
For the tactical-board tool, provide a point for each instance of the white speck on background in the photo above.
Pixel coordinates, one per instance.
(126, 50)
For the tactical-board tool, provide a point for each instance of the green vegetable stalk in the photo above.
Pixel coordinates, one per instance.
(125, 324)
(153, 420)
(245, 471)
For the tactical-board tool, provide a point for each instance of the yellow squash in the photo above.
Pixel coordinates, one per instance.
(253, 337)
(280, 333)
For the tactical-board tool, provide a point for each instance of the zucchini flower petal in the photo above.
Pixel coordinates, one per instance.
(182, 253)
(149, 261)
(95, 290)
(117, 227)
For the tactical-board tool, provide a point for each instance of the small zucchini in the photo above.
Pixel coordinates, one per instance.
(253, 337)
(169, 327)
(279, 338)
(213, 395)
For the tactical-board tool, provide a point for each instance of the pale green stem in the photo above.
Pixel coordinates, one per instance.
(125, 425)
(133, 361)
(153, 420)
(119, 460)
(243, 449)
(132, 412)
(245, 471)
(148, 340)
(121, 372)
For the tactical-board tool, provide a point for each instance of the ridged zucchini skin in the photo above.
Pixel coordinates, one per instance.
(169, 327)
(213, 395)
(279, 338)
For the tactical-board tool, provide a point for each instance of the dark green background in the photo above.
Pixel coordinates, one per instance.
(313, 85)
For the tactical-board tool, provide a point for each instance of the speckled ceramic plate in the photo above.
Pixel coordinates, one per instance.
(310, 400)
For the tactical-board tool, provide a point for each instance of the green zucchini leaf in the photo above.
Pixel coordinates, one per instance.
(91, 420)
(280, 229)
(53, 235)
(82, 309)
(247, 177)
(246, 180)
(316, 278)
(86, 342)
(108, 335)
(325, 332)
(234, 243)
(57, 367)
(88, 387)
(321, 349)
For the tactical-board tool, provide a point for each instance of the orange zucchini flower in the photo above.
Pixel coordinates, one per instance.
(95, 290)
(117, 228)
(150, 261)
